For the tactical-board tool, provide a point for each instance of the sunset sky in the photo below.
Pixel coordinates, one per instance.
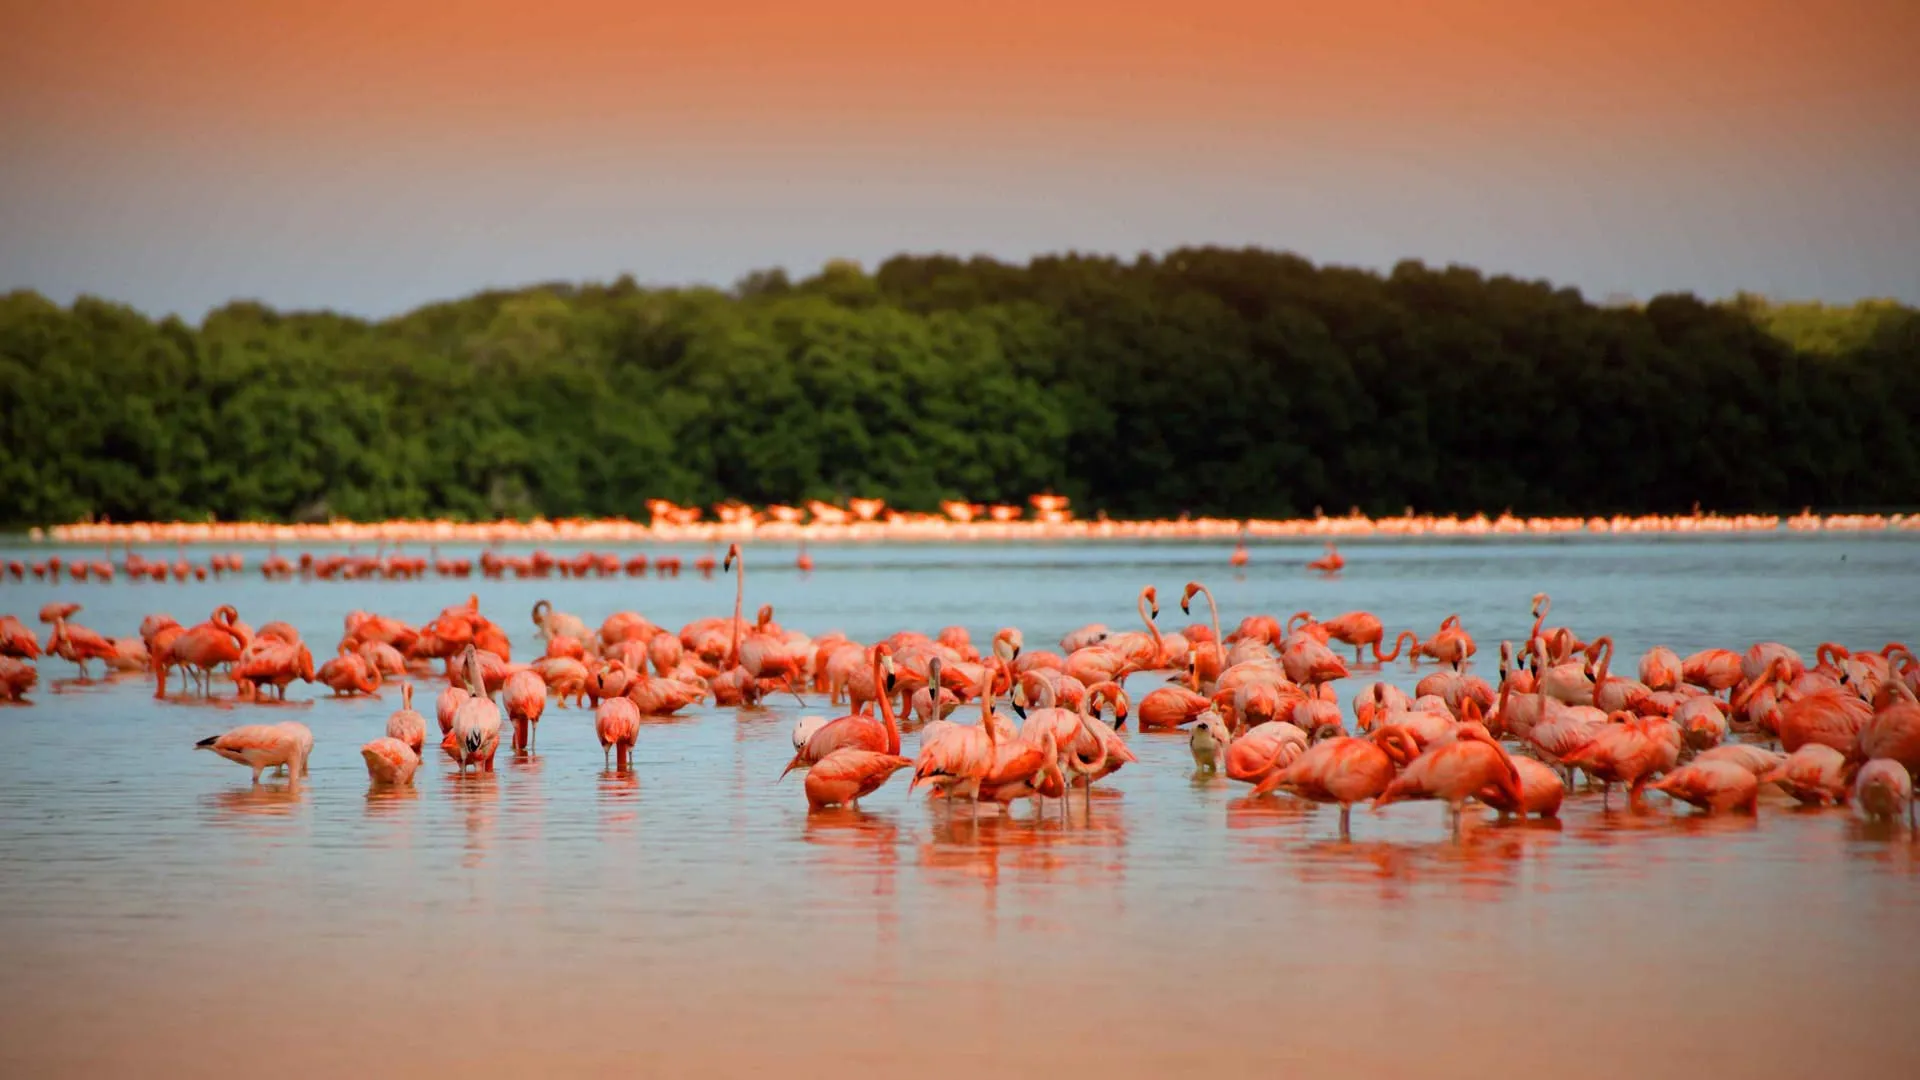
(369, 156)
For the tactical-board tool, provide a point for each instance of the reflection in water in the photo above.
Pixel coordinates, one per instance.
(266, 799)
(476, 796)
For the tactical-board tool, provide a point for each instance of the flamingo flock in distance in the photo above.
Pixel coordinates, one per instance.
(1257, 704)
(1044, 517)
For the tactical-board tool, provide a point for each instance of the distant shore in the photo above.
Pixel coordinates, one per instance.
(937, 529)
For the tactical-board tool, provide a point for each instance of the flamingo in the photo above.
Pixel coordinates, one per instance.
(406, 725)
(390, 761)
(1661, 669)
(77, 644)
(1559, 641)
(1340, 770)
(1881, 788)
(959, 757)
(1832, 717)
(1170, 707)
(1360, 629)
(856, 730)
(1143, 651)
(17, 641)
(1702, 721)
(1455, 771)
(1330, 563)
(550, 624)
(17, 678)
(1712, 669)
(1210, 742)
(474, 734)
(217, 641)
(1541, 790)
(1449, 645)
(1814, 774)
(617, 722)
(348, 673)
(849, 774)
(1894, 730)
(1712, 786)
(263, 746)
(1261, 754)
(1628, 749)
(1209, 659)
(525, 696)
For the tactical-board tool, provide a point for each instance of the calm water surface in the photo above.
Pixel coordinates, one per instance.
(161, 917)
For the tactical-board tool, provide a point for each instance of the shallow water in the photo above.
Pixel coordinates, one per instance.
(161, 917)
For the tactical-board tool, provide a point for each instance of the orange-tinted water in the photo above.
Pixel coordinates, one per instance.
(160, 917)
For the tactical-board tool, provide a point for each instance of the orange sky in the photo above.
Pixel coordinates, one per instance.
(125, 112)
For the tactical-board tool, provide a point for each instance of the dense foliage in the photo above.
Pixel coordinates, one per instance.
(1210, 381)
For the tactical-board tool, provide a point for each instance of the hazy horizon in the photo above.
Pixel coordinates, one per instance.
(177, 155)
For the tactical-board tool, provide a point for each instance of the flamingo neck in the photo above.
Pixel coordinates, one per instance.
(739, 595)
(886, 703)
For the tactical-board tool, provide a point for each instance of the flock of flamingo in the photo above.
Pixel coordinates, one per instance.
(1259, 704)
(1046, 517)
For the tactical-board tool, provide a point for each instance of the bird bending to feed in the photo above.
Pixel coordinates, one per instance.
(265, 746)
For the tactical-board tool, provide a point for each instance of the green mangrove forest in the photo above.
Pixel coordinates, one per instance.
(1209, 381)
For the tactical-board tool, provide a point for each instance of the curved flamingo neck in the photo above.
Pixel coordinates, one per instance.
(1604, 646)
(1399, 643)
(1213, 612)
(739, 596)
(986, 701)
(886, 699)
(1152, 630)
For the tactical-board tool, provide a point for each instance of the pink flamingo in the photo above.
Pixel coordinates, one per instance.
(1712, 786)
(525, 695)
(390, 761)
(263, 746)
(474, 735)
(857, 731)
(1456, 771)
(1340, 770)
(1330, 563)
(406, 725)
(957, 757)
(617, 722)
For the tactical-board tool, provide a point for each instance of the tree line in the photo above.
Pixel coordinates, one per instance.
(1207, 381)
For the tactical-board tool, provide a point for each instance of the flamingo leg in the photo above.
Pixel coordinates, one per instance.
(1346, 815)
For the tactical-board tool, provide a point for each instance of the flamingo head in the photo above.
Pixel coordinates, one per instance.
(1007, 643)
(733, 552)
(1186, 597)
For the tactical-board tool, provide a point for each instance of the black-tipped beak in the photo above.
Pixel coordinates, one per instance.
(1153, 612)
(1184, 610)
(1019, 709)
(892, 679)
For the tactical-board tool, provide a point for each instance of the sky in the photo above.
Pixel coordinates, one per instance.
(371, 156)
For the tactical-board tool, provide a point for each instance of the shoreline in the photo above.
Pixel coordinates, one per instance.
(896, 527)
